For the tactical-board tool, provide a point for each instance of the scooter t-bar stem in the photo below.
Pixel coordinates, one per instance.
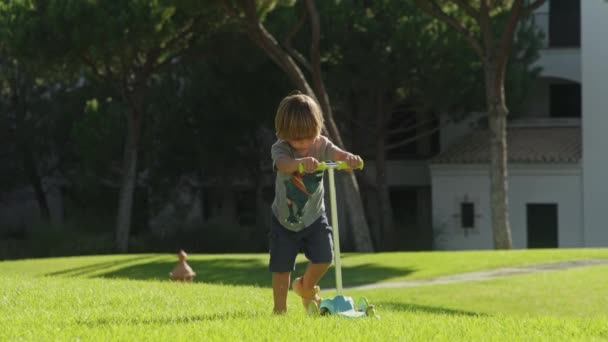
(335, 230)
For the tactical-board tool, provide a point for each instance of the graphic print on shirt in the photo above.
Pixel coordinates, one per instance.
(298, 190)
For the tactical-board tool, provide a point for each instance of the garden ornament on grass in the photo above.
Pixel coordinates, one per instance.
(182, 271)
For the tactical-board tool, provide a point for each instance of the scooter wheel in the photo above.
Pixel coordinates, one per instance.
(371, 312)
(362, 304)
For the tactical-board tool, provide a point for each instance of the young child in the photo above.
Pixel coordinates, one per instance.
(299, 222)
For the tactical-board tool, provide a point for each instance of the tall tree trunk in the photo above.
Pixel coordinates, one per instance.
(31, 169)
(356, 214)
(384, 203)
(354, 206)
(385, 214)
(497, 116)
(129, 173)
(29, 161)
(351, 195)
(366, 137)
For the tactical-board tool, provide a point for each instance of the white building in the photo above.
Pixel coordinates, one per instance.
(558, 165)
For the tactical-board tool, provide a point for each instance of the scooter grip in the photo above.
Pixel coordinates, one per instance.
(322, 167)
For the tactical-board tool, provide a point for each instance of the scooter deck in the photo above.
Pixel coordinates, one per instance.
(343, 306)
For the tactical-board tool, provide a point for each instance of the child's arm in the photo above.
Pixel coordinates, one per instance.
(353, 160)
(289, 165)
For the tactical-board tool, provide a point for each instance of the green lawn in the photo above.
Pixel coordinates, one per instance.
(129, 298)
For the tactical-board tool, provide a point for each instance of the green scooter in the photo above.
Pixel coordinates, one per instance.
(339, 305)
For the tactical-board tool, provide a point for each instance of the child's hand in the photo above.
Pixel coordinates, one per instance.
(310, 164)
(353, 161)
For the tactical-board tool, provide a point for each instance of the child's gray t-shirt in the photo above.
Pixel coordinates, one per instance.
(298, 198)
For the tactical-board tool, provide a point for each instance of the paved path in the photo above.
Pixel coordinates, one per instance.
(483, 275)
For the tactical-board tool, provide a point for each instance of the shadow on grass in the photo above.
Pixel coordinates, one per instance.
(226, 271)
(363, 274)
(220, 316)
(96, 267)
(222, 270)
(417, 308)
(252, 272)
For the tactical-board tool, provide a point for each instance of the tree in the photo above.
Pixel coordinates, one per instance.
(25, 87)
(490, 34)
(294, 64)
(122, 44)
(188, 142)
(386, 66)
(21, 126)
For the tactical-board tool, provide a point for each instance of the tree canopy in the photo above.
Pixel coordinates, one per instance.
(119, 102)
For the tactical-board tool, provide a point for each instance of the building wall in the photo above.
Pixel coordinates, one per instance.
(560, 63)
(562, 187)
(451, 184)
(595, 120)
(537, 102)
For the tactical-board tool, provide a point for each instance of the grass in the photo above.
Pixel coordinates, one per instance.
(128, 298)
(252, 269)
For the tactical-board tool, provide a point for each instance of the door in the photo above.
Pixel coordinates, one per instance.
(542, 225)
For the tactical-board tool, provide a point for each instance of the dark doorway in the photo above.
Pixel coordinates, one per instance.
(565, 100)
(542, 225)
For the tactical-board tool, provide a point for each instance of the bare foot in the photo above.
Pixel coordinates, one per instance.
(308, 295)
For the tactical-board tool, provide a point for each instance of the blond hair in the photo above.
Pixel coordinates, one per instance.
(298, 117)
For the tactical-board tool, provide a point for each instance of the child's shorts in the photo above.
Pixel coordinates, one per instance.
(315, 241)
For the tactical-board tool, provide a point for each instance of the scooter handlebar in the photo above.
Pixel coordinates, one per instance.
(336, 165)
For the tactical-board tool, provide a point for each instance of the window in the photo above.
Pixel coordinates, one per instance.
(565, 23)
(565, 100)
(467, 215)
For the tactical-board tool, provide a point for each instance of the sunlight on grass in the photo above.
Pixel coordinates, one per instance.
(569, 293)
(102, 309)
(98, 299)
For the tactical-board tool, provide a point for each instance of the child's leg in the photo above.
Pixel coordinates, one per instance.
(318, 249)
(306, 286)
(314, 273)
(280, 287)
(283, 251)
